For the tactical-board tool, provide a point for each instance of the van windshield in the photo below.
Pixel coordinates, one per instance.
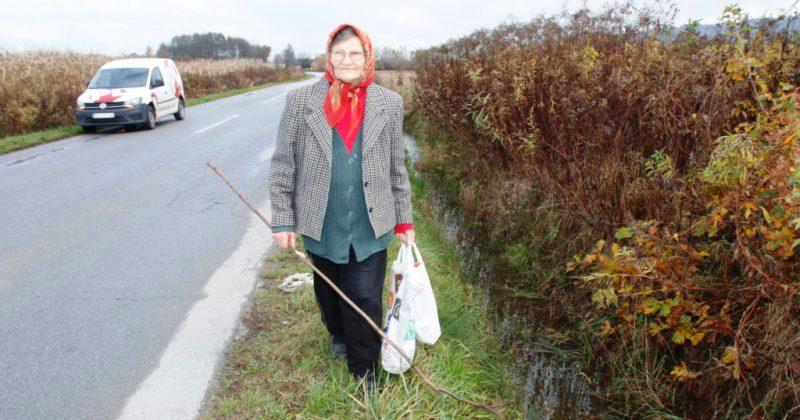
(119, 78)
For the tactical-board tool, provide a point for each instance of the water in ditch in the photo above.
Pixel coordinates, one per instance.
(552, 387)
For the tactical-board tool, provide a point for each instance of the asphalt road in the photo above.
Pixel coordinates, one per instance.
(108, 244)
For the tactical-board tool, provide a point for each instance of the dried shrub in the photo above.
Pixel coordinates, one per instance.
(616, 127)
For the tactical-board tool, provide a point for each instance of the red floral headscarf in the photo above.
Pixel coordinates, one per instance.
(344, 102)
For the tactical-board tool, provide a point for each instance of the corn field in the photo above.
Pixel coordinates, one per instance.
(38, 89)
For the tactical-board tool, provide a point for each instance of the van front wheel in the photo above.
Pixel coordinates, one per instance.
(151, 119)
(181, 114)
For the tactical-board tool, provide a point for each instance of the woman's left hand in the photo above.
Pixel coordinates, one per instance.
(406, 237)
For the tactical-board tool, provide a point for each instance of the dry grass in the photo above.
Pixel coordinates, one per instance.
(205, 77)
(398, 81)
(38, 89)
(280, 366)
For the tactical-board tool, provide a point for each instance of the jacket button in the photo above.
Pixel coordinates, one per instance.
(366, 183)
(370, 209)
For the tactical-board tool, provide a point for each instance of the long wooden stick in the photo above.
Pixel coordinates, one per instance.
(494, 410)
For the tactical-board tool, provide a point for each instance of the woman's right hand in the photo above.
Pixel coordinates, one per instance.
(285, 239)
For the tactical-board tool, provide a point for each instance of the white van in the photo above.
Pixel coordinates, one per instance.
(133, 91)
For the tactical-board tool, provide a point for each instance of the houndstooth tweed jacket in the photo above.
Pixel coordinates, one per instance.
(300, 170)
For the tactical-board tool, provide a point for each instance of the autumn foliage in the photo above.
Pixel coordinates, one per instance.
(661, 170)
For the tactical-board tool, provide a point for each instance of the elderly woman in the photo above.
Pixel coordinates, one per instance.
(338, 178)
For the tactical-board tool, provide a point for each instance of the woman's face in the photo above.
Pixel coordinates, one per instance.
(348, 59)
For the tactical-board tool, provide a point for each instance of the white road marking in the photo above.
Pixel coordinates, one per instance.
(216, 124)
(272, 99)
(177, 387)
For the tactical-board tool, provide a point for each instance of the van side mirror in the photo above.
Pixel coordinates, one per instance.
(157, 83)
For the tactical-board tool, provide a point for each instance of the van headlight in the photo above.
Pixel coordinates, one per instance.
(131, 103)
(81, 104)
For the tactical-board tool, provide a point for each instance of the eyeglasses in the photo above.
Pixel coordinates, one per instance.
(355, 56)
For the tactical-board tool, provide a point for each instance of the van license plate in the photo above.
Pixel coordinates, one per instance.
(103, 115)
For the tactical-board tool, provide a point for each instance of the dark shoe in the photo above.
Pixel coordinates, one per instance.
(338, 350)
(371, 383)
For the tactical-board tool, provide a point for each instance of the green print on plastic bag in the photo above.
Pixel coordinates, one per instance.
(410, 331)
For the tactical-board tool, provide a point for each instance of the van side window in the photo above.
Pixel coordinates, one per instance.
(155, 76)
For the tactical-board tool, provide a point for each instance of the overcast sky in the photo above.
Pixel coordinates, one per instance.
(119, 27)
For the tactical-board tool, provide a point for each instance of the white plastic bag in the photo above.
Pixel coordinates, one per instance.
(426, 314)
(400, 324)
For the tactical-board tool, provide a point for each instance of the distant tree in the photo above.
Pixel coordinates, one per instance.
(163, 51)
(319, 63)
(260, 51)
(212, 45)
(289, 59)
(392, 59)
(305, 61)
(148, 52)
(278, 60)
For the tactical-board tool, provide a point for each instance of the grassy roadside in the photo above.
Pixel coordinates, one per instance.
(279, 364)
(23, 141)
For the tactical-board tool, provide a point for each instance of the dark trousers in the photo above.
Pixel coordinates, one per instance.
(362, 282)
